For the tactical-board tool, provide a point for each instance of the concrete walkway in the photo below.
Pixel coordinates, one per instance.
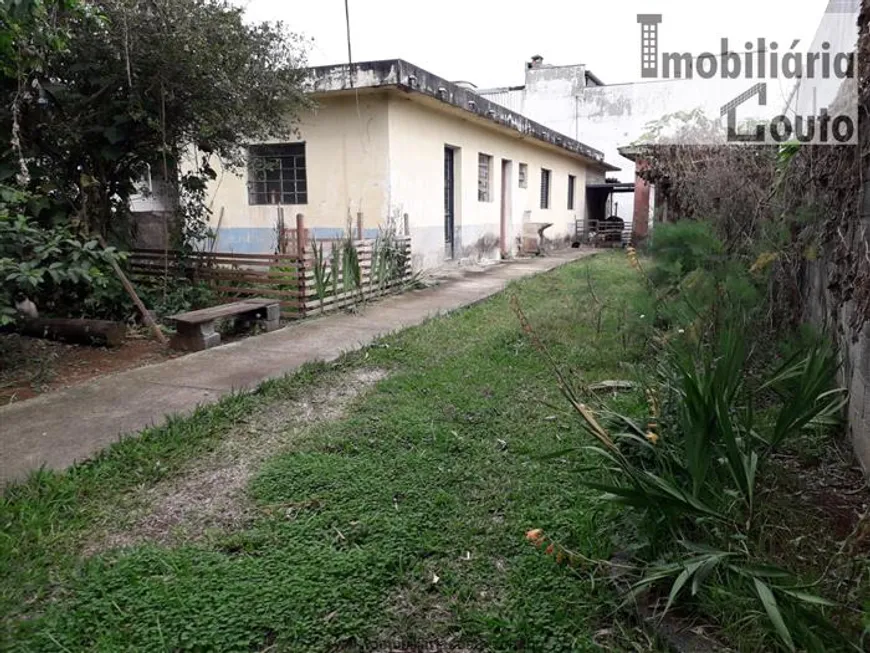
(60, 428)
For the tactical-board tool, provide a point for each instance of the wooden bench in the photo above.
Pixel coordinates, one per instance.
(195, 329)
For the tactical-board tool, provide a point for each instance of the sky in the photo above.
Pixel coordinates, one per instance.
(488, 43)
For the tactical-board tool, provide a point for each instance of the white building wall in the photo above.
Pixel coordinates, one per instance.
(153, 195)
(510, 98)
(612, 116)
(419, 131)
(385, 157)
(549, 97)
(839, 28)
(347, 169)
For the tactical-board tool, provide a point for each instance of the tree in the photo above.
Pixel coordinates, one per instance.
(95, 91)
(140, 82)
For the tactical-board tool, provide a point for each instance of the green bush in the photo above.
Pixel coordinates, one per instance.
(683, 247)
(111, 301)
(720, 405)
(697, 284)
(51, 264)
(182, 295)
(693, 469)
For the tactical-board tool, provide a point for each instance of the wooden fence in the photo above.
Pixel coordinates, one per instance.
(373, 281)
(291, 278)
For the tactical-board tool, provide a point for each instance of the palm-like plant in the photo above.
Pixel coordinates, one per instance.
(322, 274)
(351, 272)
(698, 474)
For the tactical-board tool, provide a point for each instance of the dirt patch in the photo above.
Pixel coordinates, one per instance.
(210, 496)
(819, 524)
(32, 366)
(823, 500)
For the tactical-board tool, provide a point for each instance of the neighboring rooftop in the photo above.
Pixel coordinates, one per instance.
(536, 64)
(404, 76)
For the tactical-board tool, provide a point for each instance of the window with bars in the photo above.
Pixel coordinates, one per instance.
(276, 174)
(524, 175)
(545, 188)
(484, 178)
(572, 183)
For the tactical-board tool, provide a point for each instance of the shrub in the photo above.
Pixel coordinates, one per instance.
(691, 470)
(181, 296)
(111, 301)
(697, 285)
(53, 265)
(681, 248)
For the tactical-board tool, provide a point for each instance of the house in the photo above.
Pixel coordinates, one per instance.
(385, 140)
(557, 96)
(571, 99)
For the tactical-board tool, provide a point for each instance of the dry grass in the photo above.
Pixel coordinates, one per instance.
(210, 495)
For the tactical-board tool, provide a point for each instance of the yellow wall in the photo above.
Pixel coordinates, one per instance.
(418, 134)
(346, 157)
(384, 155)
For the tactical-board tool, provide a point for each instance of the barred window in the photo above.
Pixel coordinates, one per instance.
(276, 174)
(484, 176)
(524, 175)
(545, 188)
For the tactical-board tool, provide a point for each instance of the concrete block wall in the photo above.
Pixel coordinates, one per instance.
(820, 309)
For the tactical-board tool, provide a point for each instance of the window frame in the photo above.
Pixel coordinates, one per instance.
(289, 170)
(546, 188)
(523, 175)
(484, 183)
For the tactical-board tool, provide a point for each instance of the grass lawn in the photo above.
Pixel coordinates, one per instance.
(399, 526)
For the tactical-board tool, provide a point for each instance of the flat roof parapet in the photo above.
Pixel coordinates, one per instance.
(404, 76)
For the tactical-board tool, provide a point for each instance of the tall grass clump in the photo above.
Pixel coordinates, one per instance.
(389, 256)
(697, 284)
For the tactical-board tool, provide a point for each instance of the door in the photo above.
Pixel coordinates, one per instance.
(449, 201)
(506, 167)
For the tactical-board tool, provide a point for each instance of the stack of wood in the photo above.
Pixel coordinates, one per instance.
(87, 332)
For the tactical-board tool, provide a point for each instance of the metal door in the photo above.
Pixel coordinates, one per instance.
(449, 201)
(505, 210)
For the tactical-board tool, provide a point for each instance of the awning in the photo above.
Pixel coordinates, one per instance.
(619, 187)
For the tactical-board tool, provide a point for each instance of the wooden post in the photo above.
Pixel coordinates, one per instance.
(359, 225)
(146, 314)
(301, 245)
(406, 225)
(301, 241)
(217, 230)
(282, 233)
